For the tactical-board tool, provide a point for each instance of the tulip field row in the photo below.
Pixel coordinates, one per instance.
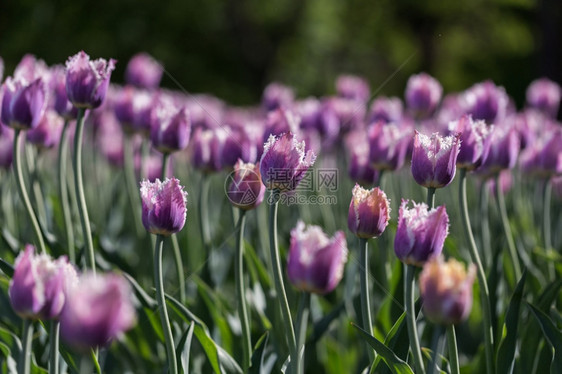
(152, 230)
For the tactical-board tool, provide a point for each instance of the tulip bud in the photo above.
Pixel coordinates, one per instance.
(48, 131)
(23, 103)
(446, 290)
(246, 191)
(475, 141)
(544, 95)
(171, 129)
(388, 145)
(353, 87)
(423, 93)
(163, 206)
(434, 158)
(144, 71)
(316, 262)
(369, 212)
(277, 95)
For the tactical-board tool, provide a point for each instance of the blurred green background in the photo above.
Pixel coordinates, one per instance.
(233, 48)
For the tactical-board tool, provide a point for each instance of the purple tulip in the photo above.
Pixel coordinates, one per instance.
(284, 162)
(369, 212)
(386, 109)
(206, 149)
(421, 233)
(37, 289)
(316, 262)
(388, 144)
(246, 191)
(544, 95)
(446, 290)
(171, 129)
(280, 121)
(353, 87)
(360, 170)
(47, 133)
(134, 108)
(277, 95)
(23, 103)
(544, 156)
(109, 137)
(57, 85)
(97, 310)
(486, 101)
(30, 69)
(143, 71)
(6, 146)
(238, 144)
(423, 93)
(163, 206)
(434, 159)
(87, 81)
(475, 141)
(504, 149)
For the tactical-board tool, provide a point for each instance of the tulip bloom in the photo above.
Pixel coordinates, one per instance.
(37, 290)
(316, 262)
(423, 93)
(144, 71)
(369, 212)
(475, 141)
(388, 145)
(98, 309)
(23, 103)
(386, 109)
(544, 156)
(544, 95)
(284, 162)
(246, 191)
(163, 206)
(446, 290)
(277, 95)
(47, 133)
(504, 149)
(421, 233)
(434, 158)
(486, 101)
(87, 81)
(171, 129)
(353, 87)
(57, 85)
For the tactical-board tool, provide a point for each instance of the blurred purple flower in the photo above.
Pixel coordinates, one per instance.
(434, 159)
(6, 146)
(388, 144)
(387, 109)
(369, 212)
(360, 170)
(171, 128)
(544, 95)
(23, 103)
(277, 95)
(30, 69)
(486, 101)
(544, 156)
(163, 206)
(246, 190)
(423, 93)
(280, 121)
(48, 131)
(206, 149)
(421, 233)
(475, 141)
(446, 290)
(57, 85)
(87, 81)
(316, 262)
(144, 71)
(353, 87)
(97, 310)
(504, 149)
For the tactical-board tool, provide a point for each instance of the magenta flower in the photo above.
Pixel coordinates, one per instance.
(421, 233)
(97, 310)
(434, 159)
(38, 288)
(163, 206)
(486, 101)
(284, 162)
(47, 133)
(23, 103)
(369, 212)
(246, 191)
(87, 81)
(446, 290)
(388, 145)
(144, 71)
(171, 128)
(544, 95)
(277, 95)
(423, 93)
(316, 262)
(475, 141)
(353, 87)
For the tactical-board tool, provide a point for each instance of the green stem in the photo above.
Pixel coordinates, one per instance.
(436, 349)
(35, 185)
(175, 245)
(486, 250)
(453, 351)
(364, 285)
(22, 191)
(79, 186)
(278, 280)
(484, 292)
(241, 292)
(159, 284)
(24, 364)
(86, 364)
(301, 326)
(203, 213)
(431, 197)
(507, 229)
(54, 347)
(63, 192)
(409, 284)
(132, 185)
(547, 194)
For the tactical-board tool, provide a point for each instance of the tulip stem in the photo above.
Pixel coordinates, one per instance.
(63, 192)
(431, 197)
(507, 229)
(364, 285)
(453, 351)
(131, 182)
(175, 245)
(79, 186)
(278, 280)
(547, 195)
(24, 364)
(241, 292)
(159, 284)
(436, 349)
(486, 251)
(54, 347)
(301, 326)
(484, 292)
(22, 191)
(203, 213)
(409, 284)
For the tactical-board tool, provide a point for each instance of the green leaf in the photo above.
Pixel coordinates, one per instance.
(506, 352)
(209, 347)
(390, 340)
(396, 365)
(144, 298)
(552, 335)
(7, 268)
(184, 348)
(185, 313)
(258, 354)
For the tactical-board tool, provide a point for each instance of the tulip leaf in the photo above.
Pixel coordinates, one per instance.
(209, 347)
(184, 348)
(391, 338)
(506, 352)
(184, 313)
(552, 335)
(396, 365)
(256, 366)
(144, 298)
